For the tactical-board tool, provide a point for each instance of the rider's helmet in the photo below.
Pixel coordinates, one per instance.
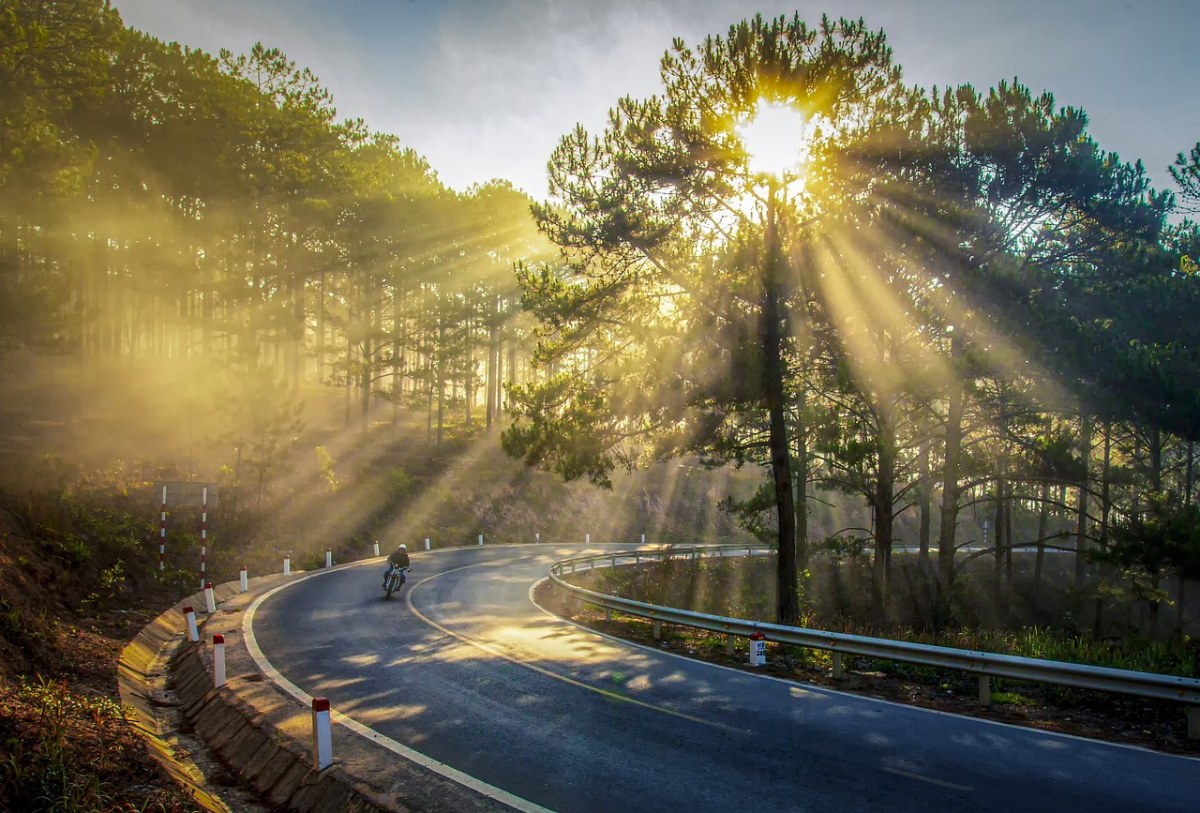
(404, 547)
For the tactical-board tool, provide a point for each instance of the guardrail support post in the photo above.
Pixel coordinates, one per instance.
(985, 690)
(657, 630)
(837, 666)
(729, 643)
(1193, 725)
(608, 613)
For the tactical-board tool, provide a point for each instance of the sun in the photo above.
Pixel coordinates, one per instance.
(777, 139)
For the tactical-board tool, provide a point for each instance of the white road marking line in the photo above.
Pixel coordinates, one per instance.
(454, 775)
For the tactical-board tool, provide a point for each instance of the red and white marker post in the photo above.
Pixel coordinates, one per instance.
(203, 533)
(162, 534)
(287, 564)
(426, 543)
(218, 661)
(322, 734)
(244, 579)
(377, 547)
(210, 601)
(329, 557)
(758, 649)
(189, 615)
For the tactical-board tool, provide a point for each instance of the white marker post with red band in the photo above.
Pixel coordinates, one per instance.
(244, 579)
(190, 616)
(210, 601)
(218, 661)
(203, 534)
(287, 564)
(162, 534)
(329, 557)
(758, 649)
(322, 734)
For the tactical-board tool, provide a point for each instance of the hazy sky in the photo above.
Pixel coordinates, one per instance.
(485, 88)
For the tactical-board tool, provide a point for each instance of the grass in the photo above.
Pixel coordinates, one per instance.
(68, 752)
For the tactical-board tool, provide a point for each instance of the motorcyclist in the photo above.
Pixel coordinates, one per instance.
(396, 559)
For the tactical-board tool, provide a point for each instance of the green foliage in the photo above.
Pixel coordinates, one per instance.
(400, 483)
(325, 464)
(1167, 537)
(1186, 172)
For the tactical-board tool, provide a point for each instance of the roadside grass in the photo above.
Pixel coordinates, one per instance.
(65, 751)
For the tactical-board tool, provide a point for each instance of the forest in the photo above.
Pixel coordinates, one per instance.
(961, 304)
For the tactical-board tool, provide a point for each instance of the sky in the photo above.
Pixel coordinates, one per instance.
(485, 89)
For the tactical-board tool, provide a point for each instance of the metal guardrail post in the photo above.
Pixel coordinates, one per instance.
(838, 674)
(985, 690)
(657, 630)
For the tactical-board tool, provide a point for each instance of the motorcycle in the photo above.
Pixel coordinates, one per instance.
(393, 579)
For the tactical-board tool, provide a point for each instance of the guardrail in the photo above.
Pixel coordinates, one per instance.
(985, 665)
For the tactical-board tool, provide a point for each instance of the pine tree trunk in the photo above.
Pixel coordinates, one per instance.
(788, 599)
(1081, 519)
(950, 488)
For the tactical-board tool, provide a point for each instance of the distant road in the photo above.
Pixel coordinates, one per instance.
(466, 670)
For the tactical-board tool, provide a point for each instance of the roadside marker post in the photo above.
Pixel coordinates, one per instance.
(162, 533)
(244, 579)
(426, 543)
(329, 557)
(322, 734)
(376, 547)
(758, 649)
(218, 661)
(203, 535)
(481, 540)
(210, 601)
(190, 615)
(287, 564)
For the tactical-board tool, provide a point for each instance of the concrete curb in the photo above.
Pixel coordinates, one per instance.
(261, 733)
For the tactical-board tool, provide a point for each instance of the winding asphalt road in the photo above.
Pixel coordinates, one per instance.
(465, 670)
